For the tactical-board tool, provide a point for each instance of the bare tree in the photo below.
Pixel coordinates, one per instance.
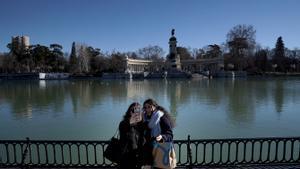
(83, 58)
(151, 52)
(7, 63)
(241, 43)
(197, 53)
(184, 53)
(133, 55)
(242, 36)
(261, 60)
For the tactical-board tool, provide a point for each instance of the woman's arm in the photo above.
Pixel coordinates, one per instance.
(166, 129)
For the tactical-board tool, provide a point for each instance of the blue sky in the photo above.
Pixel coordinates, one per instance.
(129, 25)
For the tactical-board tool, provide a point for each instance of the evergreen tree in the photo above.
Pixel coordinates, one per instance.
(279, 56)
(41, 56)
(73, 59)
(279, 49)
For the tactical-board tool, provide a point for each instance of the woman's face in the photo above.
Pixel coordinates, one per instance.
(148, 108)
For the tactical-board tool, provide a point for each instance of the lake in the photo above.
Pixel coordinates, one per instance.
(203, 108)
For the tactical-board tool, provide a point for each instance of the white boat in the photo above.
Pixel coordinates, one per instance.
(52, 76)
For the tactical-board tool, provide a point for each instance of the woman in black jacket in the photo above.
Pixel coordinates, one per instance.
(131, 138)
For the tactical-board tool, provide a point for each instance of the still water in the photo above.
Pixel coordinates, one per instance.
(92, 109)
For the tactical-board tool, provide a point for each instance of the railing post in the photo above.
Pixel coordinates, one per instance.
(24, 154)
(189, 153)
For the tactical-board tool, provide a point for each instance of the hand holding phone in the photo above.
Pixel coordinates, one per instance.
(137, 115)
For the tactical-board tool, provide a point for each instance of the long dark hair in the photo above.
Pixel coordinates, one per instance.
(130, 109)
(158, 107)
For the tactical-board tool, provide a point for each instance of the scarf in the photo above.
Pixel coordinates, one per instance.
(154, 124)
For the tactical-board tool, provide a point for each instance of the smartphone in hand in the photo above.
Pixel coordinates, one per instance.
(137, 115)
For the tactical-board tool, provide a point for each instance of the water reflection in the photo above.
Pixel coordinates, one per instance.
(241, 108)
(279, 96)
(26, 96)
(240, 98)
(238, 101)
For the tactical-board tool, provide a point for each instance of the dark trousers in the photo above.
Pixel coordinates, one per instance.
(130, 161)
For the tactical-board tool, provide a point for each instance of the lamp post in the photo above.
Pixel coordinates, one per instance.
(293, 66)
(230, 66)
(274, 67)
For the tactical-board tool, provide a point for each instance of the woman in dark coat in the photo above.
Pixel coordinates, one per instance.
(131, 138)
(158, 127)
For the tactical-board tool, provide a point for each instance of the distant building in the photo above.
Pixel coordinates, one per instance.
(173, 56)
(20, 43)
(173, 62)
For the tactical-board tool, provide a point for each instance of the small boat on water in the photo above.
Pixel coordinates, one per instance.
(53, 76)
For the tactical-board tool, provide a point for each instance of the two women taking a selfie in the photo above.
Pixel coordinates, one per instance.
(146, 136)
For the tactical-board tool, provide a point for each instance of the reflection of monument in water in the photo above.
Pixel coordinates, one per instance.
(137, 89)
(157, 89)
(175, 98)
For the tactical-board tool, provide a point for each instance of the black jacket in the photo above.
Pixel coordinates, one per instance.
(166, 129)
(131, 138)
(167, 136)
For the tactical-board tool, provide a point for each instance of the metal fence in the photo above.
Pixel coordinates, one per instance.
(190, 153)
